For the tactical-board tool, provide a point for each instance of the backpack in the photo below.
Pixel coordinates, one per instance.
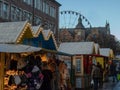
(96, 73)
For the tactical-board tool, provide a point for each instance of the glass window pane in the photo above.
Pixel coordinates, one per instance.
(18, 14)
(78, 65)
(5, 10)
(0, 8)
(47, 8)
(13, 16)
(44, 6)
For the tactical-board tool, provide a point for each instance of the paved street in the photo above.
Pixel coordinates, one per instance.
(111, 85)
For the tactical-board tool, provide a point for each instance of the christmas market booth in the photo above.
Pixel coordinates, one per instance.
(13, 54)
(105, 58)
(102, 56)
(12, 61)
(82, 60)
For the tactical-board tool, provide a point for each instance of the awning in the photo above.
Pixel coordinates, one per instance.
(17, 48)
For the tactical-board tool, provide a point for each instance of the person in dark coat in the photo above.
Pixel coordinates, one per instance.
(113, 71)
(101, 75)
(95, 75)
(46, 85)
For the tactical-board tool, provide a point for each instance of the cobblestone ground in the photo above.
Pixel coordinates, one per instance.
(111, 85)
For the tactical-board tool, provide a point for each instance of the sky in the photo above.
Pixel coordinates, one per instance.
(97, 12)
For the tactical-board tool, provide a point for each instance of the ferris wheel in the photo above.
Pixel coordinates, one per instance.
(69, 19)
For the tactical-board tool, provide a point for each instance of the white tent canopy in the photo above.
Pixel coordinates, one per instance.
(17, 48)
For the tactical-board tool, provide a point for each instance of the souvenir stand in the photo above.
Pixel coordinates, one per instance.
(10, 55)
(82, 60)
(11, 35)
(106, 55)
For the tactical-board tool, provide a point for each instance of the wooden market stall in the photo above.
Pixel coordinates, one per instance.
(106, 54)
(82, 60)
(7, 51)
(105, 57)
(11, 32)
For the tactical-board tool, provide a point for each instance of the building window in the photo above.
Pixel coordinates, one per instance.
(13, 14)
(40, 5)
(18, 14)
(52, 12)
(47, 8)
(5, 11)
(44, 6)
(78, 65)
(27, 16)
(0, 8)
(29, 2)
(35, 3)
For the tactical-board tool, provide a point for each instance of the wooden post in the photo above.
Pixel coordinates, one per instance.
(2, 61)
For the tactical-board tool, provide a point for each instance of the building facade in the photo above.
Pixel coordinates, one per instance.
(37, 12)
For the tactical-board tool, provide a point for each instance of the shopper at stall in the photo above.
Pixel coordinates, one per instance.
(113, 71)
(46, 85)
(101, 74)
(95, 75)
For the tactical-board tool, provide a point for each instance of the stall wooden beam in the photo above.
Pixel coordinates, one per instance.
(2, 62)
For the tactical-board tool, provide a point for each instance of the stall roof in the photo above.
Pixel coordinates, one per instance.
(77, 47)
(10, 31)
(48, 35)
(17, 48)
(106, 52)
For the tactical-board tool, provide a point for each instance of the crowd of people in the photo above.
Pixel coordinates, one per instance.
(100, 74)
